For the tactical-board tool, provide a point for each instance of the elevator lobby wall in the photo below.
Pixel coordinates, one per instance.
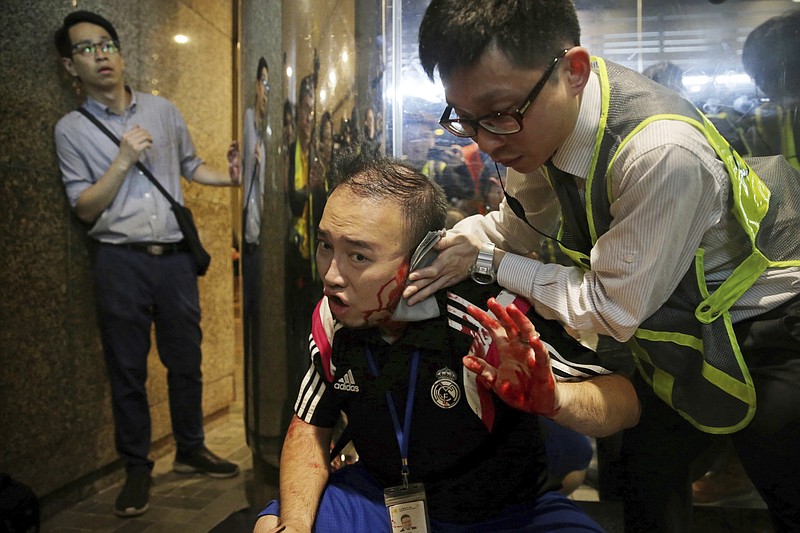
(56, 429)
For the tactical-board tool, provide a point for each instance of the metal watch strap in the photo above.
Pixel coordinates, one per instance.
(483, 270)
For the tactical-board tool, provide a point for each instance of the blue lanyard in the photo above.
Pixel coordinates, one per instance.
(402, 434)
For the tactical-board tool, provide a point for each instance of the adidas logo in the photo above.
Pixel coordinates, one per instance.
(346, 383)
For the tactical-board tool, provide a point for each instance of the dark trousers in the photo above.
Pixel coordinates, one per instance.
(134, 291)
(251, 335)
(653, 467)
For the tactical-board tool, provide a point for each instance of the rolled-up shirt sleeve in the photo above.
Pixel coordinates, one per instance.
(666, 197)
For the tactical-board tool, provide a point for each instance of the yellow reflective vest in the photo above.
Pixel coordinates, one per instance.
(687, 350)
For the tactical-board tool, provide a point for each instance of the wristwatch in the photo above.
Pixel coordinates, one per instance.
(483, 271)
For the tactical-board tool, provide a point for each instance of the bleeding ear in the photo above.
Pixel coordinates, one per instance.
(579, 67)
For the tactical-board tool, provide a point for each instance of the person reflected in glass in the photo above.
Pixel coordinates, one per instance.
(305, 192)
(288, 131)
(668, 74)
(325, 145)
(771, 57)
(254, 162)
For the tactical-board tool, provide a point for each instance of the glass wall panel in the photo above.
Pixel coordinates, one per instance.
(332, 79)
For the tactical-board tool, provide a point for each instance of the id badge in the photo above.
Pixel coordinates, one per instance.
(408, 509)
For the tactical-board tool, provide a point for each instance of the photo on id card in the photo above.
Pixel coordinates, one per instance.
(407, 510)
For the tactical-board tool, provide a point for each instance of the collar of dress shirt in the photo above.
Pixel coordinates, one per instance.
(96, 107)
(575, 155)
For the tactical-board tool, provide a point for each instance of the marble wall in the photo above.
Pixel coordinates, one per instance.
(55, 418)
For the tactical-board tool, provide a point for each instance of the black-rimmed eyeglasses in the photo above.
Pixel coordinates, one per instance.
(88, 48)
(502, 123)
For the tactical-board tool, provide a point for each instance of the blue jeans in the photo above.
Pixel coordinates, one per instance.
(135, 290)
(567, 450)
(353, 501)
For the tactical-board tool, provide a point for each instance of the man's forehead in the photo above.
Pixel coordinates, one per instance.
(491, 78)
(84, 31)
(351, 231)
(380, 221)
(455, 91)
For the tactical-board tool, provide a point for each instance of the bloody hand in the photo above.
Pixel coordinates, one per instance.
(522, 378)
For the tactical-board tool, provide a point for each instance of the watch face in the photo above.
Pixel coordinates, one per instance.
(484, 278)
(482, 271)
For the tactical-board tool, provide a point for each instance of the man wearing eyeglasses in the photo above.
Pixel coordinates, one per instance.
(680, 248)
(253, 168)
(143, 271)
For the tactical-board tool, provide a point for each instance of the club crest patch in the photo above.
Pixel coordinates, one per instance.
(445, 392)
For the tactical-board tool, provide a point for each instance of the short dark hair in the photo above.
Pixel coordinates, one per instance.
(288, 109)
(61, 37)
(306, 87)
(377, 177)
(667, 74)
(455, 33)
(262, 64)
(771, 55)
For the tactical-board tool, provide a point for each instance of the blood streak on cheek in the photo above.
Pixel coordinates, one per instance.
(399, 280)
(394, 295)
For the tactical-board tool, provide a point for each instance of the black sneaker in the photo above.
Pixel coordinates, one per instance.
(132, 500)
(203, 461)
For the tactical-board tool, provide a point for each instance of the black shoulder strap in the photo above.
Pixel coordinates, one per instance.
(139, 164)
(249, 192)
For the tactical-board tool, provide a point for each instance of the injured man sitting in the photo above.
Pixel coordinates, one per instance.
(443, 400)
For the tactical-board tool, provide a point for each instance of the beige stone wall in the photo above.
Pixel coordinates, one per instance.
(55, 417)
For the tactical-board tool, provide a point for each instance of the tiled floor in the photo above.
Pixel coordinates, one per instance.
(178, 503)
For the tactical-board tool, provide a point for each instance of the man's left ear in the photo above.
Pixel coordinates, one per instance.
(67, 62)
(579, 67)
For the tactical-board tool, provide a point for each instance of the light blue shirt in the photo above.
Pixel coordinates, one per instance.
(253, 190)
(139, 212)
